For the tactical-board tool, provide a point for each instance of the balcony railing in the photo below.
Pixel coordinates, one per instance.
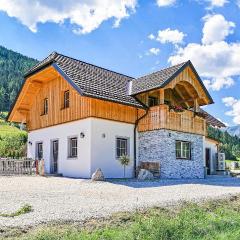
(159, 117)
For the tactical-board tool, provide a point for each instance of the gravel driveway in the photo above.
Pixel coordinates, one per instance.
(56, 198)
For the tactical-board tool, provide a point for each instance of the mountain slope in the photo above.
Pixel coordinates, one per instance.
(13, 65)
(234, 130)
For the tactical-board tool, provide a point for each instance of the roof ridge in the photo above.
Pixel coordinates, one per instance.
(182, 63)
(94, 65)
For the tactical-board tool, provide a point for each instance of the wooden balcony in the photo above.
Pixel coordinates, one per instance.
(159, 117)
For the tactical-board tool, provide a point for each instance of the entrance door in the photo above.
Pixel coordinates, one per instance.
(54, 167)
(208, 160)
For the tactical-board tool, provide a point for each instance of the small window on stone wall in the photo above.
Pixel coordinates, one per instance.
(183, 150)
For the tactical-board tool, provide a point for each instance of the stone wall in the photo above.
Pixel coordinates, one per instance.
(159, 145)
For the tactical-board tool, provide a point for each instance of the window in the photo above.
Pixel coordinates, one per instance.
(72, 147)
(66, 99)
(39, 150)
(152, 101)
(183, 150)
(122, 147)
(45, 106)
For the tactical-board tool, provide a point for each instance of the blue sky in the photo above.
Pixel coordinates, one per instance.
(135, 38)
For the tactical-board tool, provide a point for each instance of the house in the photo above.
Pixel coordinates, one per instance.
(81, 117)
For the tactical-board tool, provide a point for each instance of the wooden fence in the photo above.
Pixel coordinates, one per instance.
(10, 166)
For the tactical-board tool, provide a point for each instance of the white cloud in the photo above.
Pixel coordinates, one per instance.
(229, 101)
(238, 3)
(170, 36)
(217, 61)
(165, 3)
(85, 15)
(151, 36)
(216, 28)
(217, 3)
(234, 105)
(154, 51)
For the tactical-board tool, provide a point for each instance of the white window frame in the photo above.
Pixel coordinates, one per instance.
(126, 152)
(70, 147)
(184, 153)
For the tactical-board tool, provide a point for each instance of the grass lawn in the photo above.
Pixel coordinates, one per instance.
(211, 220)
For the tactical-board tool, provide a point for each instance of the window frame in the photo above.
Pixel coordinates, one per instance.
(183, 152)
(37, 150)
(66, 100)
(153, 100)
(45, 106)
(70, 147)
(126, 152)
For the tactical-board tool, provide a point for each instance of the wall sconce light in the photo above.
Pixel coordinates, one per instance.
(82, 135)
(29, 142)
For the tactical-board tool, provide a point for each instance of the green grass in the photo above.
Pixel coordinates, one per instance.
(23, 210)
(212, 220)
(12, 139)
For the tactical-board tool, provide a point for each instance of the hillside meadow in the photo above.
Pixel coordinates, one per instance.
(12, 139)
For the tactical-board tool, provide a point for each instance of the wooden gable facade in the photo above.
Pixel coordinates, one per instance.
(184, 91)
(49, 84)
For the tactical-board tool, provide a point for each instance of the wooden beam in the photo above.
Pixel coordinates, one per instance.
(196, 105)
(180, 94)
(161, 96)
(23, 110)
(36, 83)
(187, 100)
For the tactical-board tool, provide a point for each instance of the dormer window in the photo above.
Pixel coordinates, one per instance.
(45, 106)
(66, 99)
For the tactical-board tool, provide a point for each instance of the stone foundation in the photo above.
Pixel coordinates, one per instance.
(159, 145)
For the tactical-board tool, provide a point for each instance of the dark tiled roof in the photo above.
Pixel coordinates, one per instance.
(91, 80)
(212, 120)
(154, 80)
(94, 81)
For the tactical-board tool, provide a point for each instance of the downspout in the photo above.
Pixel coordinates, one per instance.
(135, 140)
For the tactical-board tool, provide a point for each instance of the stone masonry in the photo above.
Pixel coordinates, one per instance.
(159, 145)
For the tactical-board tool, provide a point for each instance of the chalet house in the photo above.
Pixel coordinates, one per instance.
(81, 117)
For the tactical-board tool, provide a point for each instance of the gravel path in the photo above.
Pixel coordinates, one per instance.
(66, 199)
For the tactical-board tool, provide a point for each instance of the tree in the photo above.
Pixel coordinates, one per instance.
(236, 151)
(124, 160)
(12, 68)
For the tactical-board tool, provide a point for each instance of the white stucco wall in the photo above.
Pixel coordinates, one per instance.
(77, 167)
(94, 150)
(103, 152)
(213, 150)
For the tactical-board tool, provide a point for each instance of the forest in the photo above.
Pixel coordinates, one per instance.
(230, 145)
(12, 68)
